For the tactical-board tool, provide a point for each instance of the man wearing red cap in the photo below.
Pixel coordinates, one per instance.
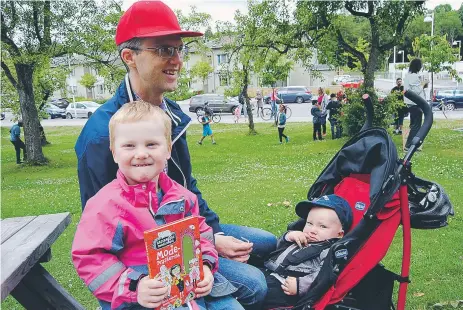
(149, 41)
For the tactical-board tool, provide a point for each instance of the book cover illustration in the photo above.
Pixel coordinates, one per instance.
(175, 257)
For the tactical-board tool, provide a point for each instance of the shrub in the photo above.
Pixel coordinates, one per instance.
(354, 116)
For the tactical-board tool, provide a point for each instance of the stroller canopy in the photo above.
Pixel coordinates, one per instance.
(372, 152)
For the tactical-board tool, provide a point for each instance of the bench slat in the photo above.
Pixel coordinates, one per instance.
(22, 250)
(11, 225)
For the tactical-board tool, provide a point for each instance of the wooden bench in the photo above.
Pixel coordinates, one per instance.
(26, 243)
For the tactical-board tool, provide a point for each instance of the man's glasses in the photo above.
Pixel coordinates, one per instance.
(165, 52)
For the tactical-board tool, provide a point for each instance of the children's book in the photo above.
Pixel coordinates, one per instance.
(174, 256)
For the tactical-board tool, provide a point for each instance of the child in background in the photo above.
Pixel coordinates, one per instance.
(109, 249)
(236, 114)
(207, 131)
(317, 120)
(288, 275)
(282, 123)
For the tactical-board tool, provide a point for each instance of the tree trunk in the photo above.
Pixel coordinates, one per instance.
(369, 73)
(29, 114)
(244, 95)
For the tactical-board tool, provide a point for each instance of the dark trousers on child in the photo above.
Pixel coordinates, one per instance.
(280, 134)
(317, 130)
(275, 295)
(18, 145)
(335, 129)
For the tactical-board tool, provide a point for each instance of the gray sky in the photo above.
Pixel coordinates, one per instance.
(224, 10)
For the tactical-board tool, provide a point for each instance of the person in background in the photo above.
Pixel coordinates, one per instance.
(317, 123)
(282, 123)
(323, 100)
(413, 83)
(260, 103)
(333, 108)
(401, 111)
(15, 138)
(207, 131)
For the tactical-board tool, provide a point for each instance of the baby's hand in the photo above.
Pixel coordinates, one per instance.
(297, 236)
(290, 286)
(205, 286)
(150, 292)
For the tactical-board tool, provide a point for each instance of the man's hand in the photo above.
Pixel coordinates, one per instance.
(232, 248)
(204, 287)
(297, 236)
(290, 286)
(150, 292)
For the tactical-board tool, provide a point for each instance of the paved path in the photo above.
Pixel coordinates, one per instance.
(300, 113)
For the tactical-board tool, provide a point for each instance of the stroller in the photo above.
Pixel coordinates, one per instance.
(383, 194)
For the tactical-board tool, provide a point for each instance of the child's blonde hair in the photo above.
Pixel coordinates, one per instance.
(140, 111)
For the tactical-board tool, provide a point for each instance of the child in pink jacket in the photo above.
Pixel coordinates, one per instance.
(108, 249)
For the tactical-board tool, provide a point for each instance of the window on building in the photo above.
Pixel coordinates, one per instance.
(100, 89)
(222, 58)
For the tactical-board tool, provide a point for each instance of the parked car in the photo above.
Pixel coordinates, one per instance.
(54, 111)
(298, 94)
(341, 78)
(353, 82)
(81, 109)
(453, 98)
(60, 103)
(217, 103)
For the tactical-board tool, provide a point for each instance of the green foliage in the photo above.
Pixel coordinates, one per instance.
(201, 70)
(88, 80)
(436, 53)
(183, 90)
(275, 68)
(354, 116)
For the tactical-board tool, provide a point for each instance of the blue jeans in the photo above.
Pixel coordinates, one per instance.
(249, 280)
(335, 129)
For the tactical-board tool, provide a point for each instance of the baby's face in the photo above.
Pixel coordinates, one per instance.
(322, 224)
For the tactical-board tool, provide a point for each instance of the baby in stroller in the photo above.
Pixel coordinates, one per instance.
(293, 266)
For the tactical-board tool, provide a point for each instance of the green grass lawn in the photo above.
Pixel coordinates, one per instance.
(250, 180)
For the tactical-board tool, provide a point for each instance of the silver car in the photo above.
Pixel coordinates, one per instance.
(217, 103)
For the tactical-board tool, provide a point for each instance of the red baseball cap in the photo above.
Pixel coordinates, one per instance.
(149, 18)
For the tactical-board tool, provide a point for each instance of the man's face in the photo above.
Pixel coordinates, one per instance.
(159, 74)
(322, 224)
(399, 82)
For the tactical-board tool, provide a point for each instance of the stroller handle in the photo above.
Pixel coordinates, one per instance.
(369, 109)
(428, 118)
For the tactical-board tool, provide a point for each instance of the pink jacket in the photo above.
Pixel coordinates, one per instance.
(108, 249)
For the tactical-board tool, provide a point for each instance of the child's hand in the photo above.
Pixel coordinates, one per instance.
(205, 286)
(290, 286)
(150, 292)
(297, 236)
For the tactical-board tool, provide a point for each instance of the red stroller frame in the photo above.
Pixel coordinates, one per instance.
(379, 200)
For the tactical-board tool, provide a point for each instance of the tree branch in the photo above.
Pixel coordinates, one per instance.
(351, 10)
(9, 75)
(46, 23)
(5, 39)
(36, 21)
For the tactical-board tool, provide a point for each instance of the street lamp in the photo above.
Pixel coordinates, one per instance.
(403, 55)
(430, 18)
(458, 42)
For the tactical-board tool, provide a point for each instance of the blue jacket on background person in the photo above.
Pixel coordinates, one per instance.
(317, 114)
(15, 133)
(96, 171)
